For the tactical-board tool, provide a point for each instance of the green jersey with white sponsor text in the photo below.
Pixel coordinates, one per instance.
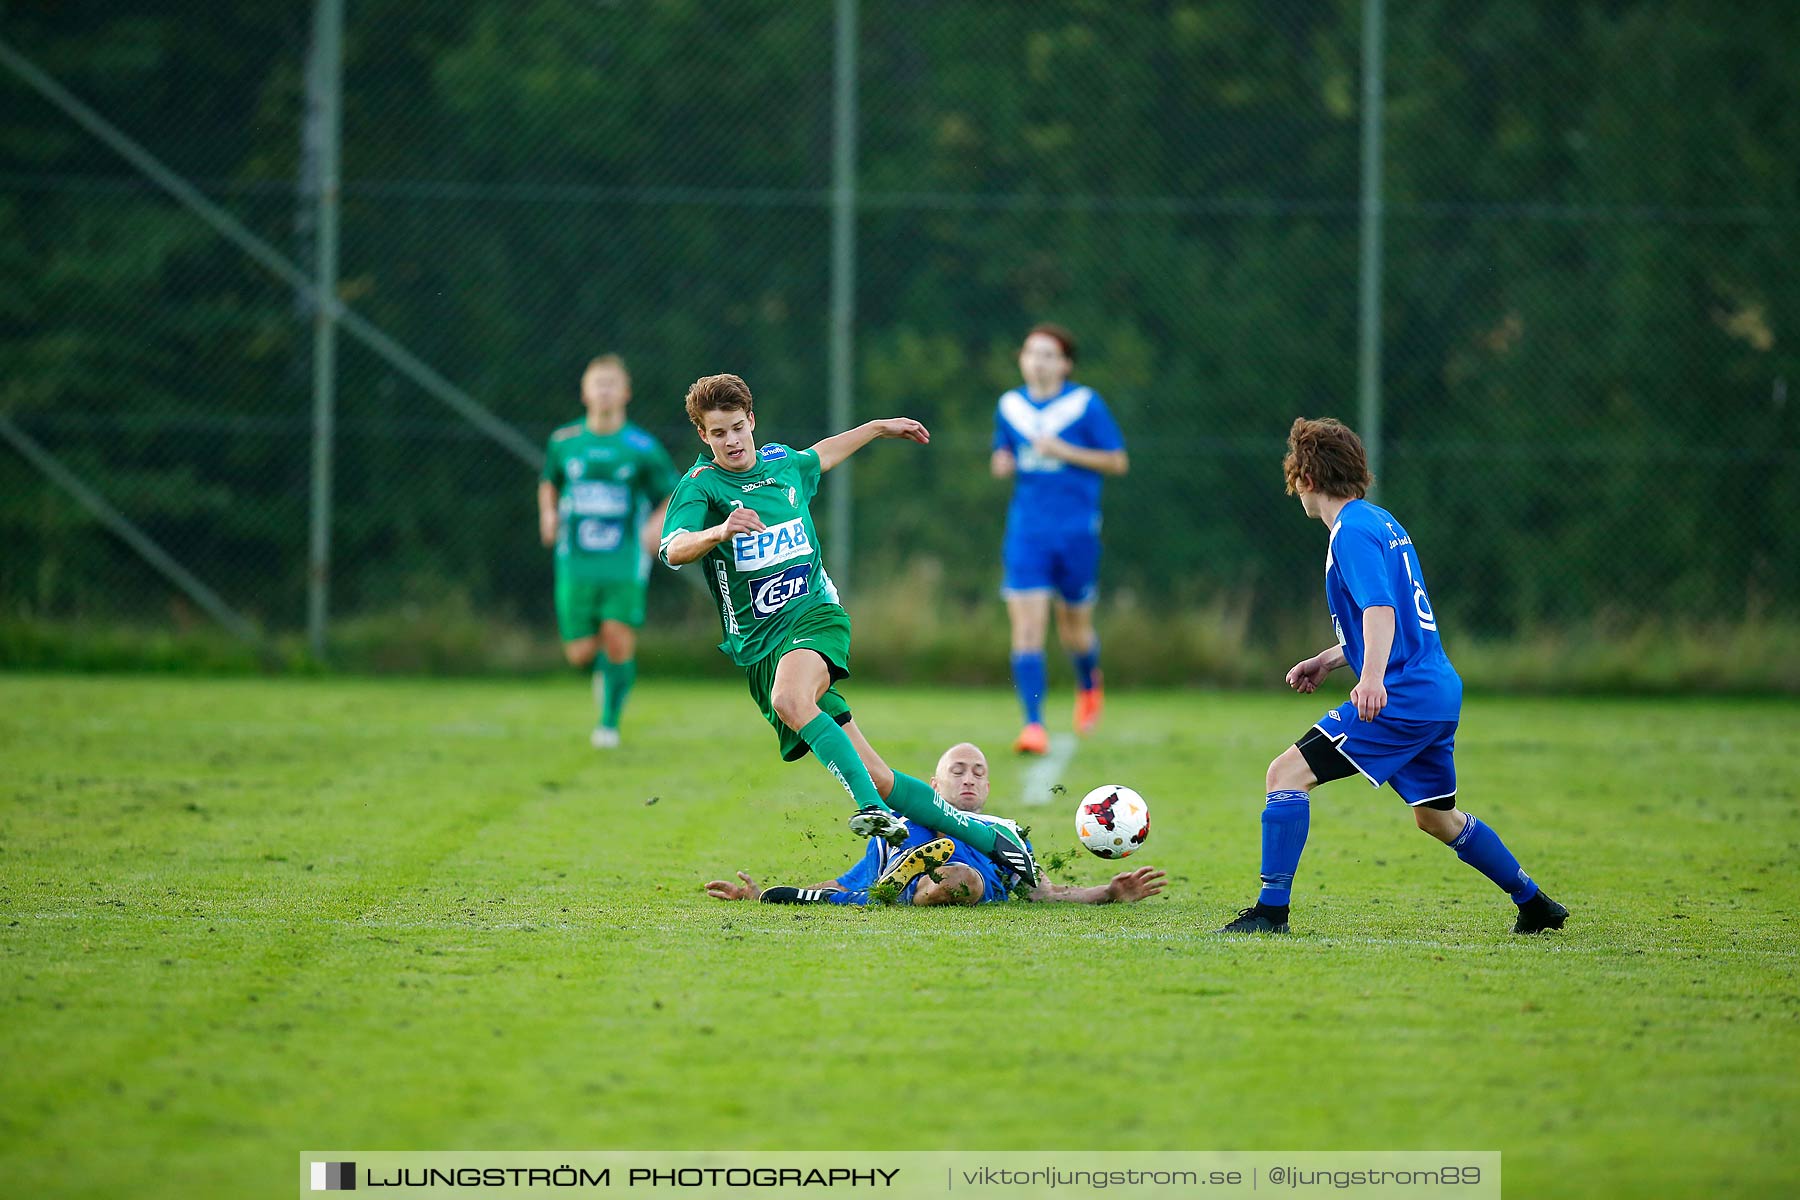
(606, 485)
(760, 581)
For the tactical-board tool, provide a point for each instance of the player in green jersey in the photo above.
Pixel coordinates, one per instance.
(601, 499)
(745, 514)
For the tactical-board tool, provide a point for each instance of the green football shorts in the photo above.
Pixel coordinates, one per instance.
(581, 604)
(825, 629)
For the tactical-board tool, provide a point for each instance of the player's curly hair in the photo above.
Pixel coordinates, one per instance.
(1329, 455)
(717, 393)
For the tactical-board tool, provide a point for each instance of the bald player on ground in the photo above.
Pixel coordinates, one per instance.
(928, 868)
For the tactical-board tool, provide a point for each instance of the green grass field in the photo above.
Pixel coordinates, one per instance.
(242, 918)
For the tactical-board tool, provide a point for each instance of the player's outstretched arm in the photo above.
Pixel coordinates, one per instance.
(835, 449)
(1127, 887)
(722, 889)
(1307, 674)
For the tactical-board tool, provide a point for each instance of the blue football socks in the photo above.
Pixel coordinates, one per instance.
(1285, 819)
(1480, 847)
(1086, 664)
(1029, 682)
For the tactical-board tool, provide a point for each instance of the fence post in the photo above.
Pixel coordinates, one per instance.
(843, 274)
(1369, 268)
(324, 127)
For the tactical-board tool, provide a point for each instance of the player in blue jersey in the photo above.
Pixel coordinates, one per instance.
(1056, 440)
(930, 869)
(1399, 725)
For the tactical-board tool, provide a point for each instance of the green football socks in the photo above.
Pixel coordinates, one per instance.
(616, 680)
(833, 747)
(914, 800)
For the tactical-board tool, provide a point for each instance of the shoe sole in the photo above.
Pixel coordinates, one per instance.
(916, 862)
(884, 825)
(1036, 875)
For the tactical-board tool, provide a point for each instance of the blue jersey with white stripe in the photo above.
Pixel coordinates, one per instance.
(1051, 496)
(1371, 563)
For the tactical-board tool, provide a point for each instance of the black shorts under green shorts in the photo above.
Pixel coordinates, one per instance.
(825, 629)
(581, 604)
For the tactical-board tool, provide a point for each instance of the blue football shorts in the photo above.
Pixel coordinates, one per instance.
(1417, 757)
(1065, 563)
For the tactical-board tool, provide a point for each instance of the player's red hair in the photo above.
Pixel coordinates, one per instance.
(1328, 455)
(1058, 334)
(717, 393)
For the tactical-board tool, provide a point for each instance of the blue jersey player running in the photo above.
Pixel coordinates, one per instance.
(1056, 440)
(930, 868)
(1399, 725)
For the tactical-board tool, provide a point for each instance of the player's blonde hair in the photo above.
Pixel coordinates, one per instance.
(607, 360)
(1327, 455)
(717, 393)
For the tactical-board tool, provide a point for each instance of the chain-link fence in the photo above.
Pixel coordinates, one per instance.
(1590, 273)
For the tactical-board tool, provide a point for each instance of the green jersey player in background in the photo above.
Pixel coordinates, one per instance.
(605, 485)
(745, 515)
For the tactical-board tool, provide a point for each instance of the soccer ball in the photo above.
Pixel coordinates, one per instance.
(1112, 821)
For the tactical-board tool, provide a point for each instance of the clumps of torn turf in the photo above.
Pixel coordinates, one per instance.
(1055, 862)
(1059, 860)
(887, 892)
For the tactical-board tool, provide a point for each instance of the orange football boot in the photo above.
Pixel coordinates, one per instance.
(1088, 705)
(1033, 739)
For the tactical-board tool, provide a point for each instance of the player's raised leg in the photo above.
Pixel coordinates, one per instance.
(801, 678)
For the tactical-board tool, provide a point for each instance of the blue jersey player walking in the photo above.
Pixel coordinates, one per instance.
(1056, 440)
(1399, 725)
